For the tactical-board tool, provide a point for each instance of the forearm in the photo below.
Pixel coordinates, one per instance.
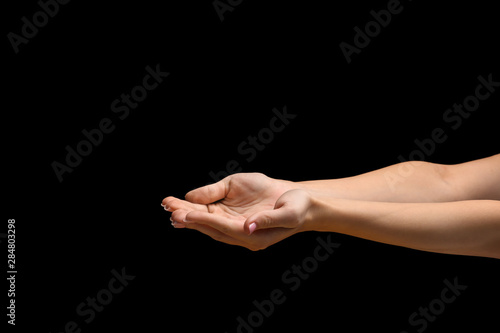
(461, 227)
(404, 182)
(417, 181)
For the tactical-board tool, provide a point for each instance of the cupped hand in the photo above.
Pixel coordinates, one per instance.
(246, 209)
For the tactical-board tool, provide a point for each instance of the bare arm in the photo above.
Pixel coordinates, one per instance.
(469, 227)
(452, 209)
(417, 181)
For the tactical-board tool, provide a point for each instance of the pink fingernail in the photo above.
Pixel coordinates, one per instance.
(252, 227)
(167, 209)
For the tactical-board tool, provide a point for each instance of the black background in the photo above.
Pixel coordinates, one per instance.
(225, 79)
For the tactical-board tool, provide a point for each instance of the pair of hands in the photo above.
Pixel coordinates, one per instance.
(245, 209)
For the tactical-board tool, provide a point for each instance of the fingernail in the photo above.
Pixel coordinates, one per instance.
(252, 227)
(167, 209)
(162, 205)
(178, 225)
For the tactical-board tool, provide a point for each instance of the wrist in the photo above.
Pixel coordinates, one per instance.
(320, 188)
(320, 216)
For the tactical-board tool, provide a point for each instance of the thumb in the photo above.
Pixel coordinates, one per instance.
(209, 193)
(288, 212)
(283, 216)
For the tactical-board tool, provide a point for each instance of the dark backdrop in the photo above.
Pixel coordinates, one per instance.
(226, 77)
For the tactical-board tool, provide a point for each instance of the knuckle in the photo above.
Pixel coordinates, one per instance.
(266, 221)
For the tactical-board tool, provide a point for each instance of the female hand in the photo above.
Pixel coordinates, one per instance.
(246, 209)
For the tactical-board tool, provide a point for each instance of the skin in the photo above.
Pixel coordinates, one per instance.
(453, 209)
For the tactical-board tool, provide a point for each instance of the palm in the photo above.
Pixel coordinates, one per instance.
(248, 194)
(242, 196)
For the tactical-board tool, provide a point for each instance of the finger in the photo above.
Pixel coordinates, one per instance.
(284, 217)
(223, 224)
(172, 203)
(209, 193)
(178, 217)
(214, 234)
